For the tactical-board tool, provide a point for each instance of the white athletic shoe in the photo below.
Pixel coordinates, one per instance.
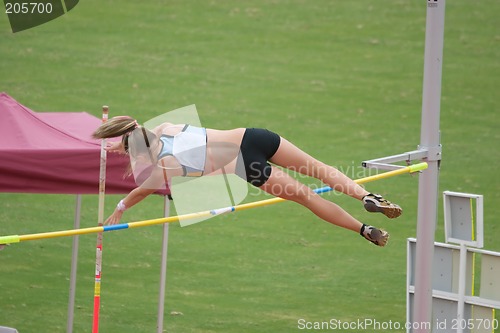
(375, 203)
(374, 235)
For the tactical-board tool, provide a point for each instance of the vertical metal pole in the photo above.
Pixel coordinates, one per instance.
(163, 270)
(100, 222)
(74, 264)
(409, 271)
(429, 180)
(461, 287)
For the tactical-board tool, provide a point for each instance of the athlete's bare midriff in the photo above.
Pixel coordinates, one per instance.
(233, 136)
(223, 147)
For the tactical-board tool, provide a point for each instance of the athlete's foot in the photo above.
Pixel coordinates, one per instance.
(375, 203)
(374, 235)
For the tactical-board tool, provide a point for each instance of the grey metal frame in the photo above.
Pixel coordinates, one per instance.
(429, 151)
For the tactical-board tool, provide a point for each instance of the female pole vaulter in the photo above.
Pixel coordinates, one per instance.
(253, 154)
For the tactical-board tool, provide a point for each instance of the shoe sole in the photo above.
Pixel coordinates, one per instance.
(390, 212)
(382, 238)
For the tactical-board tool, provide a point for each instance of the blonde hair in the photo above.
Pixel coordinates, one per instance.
(115, 127)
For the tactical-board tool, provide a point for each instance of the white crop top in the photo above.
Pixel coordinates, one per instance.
(188, 147)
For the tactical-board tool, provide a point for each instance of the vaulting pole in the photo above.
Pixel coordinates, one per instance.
(100, 222)
(22, 238)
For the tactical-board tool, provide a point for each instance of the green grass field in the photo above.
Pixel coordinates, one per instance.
(341, 79)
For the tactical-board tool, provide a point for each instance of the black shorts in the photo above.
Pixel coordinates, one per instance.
(257, 147)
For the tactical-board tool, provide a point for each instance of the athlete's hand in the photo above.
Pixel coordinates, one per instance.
(114, 218)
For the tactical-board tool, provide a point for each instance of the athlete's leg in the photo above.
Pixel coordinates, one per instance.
(284, 186)
(291, 157)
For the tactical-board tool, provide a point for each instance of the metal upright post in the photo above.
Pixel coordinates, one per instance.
(428, 181)
(74, 265)
(163, 269)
